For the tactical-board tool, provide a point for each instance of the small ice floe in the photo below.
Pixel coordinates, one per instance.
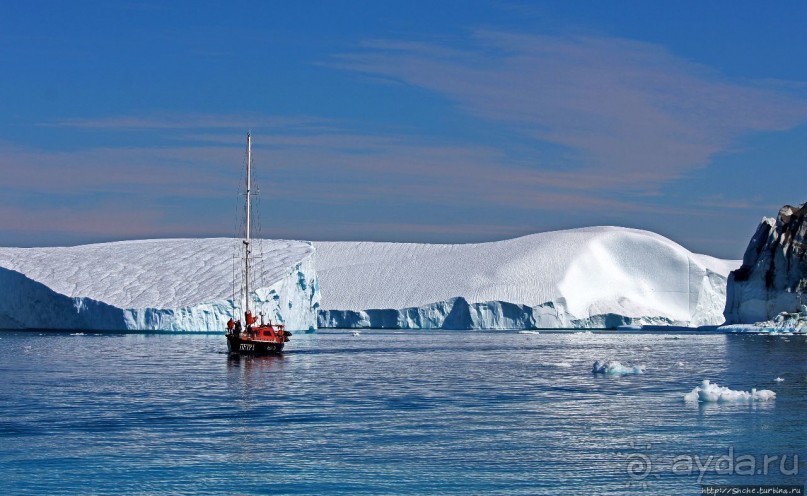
(612, 367)
(356, 333)
(529, 332)
(779, 379)
(561, 365)
(585, 333)
(681, 364)
(713, 393)
(77, 334)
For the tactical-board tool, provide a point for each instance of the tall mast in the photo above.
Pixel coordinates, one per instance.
(246, 237)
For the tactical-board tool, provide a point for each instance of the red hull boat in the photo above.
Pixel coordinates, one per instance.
(256, 339)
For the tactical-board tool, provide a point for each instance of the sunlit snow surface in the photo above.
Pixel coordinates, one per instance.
(592, 277)
(168, 284)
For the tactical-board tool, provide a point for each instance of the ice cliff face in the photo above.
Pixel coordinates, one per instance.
(773, 276)
(171, 284)
(594, 277)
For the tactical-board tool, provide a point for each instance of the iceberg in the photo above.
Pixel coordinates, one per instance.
(598, 277)
(612, 367)
(708, 392)
(153, 285)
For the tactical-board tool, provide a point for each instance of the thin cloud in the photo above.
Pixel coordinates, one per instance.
(180, 171)
(320, 162)
(107, 221)
(331, 167)
(111, 220)
(185, 121)
(393, 231)
(631, 111)
(721, 202)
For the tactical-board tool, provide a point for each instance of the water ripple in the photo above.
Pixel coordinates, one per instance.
(382, 413)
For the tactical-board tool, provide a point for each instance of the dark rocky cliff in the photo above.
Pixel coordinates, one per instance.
(773, 277)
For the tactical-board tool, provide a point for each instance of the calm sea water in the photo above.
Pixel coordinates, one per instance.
(385, 412)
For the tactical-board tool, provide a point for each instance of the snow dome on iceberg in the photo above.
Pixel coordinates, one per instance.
(592, 277)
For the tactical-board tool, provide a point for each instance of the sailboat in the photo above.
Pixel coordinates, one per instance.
(252, 337)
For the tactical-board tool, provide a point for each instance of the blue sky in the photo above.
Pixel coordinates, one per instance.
(403, 121)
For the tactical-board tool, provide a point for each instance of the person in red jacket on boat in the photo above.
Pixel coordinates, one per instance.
(231, 326)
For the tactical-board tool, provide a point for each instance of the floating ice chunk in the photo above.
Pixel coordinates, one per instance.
(529, 332)
(612, 367)
(561, 365)
(779, 379)
(713, 393)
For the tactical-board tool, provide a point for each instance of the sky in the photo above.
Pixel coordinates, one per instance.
(411, 121)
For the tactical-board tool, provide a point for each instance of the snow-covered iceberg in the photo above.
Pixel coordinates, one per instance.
(582, 278)
(771, 284)
(593, 277)
(168, 284)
